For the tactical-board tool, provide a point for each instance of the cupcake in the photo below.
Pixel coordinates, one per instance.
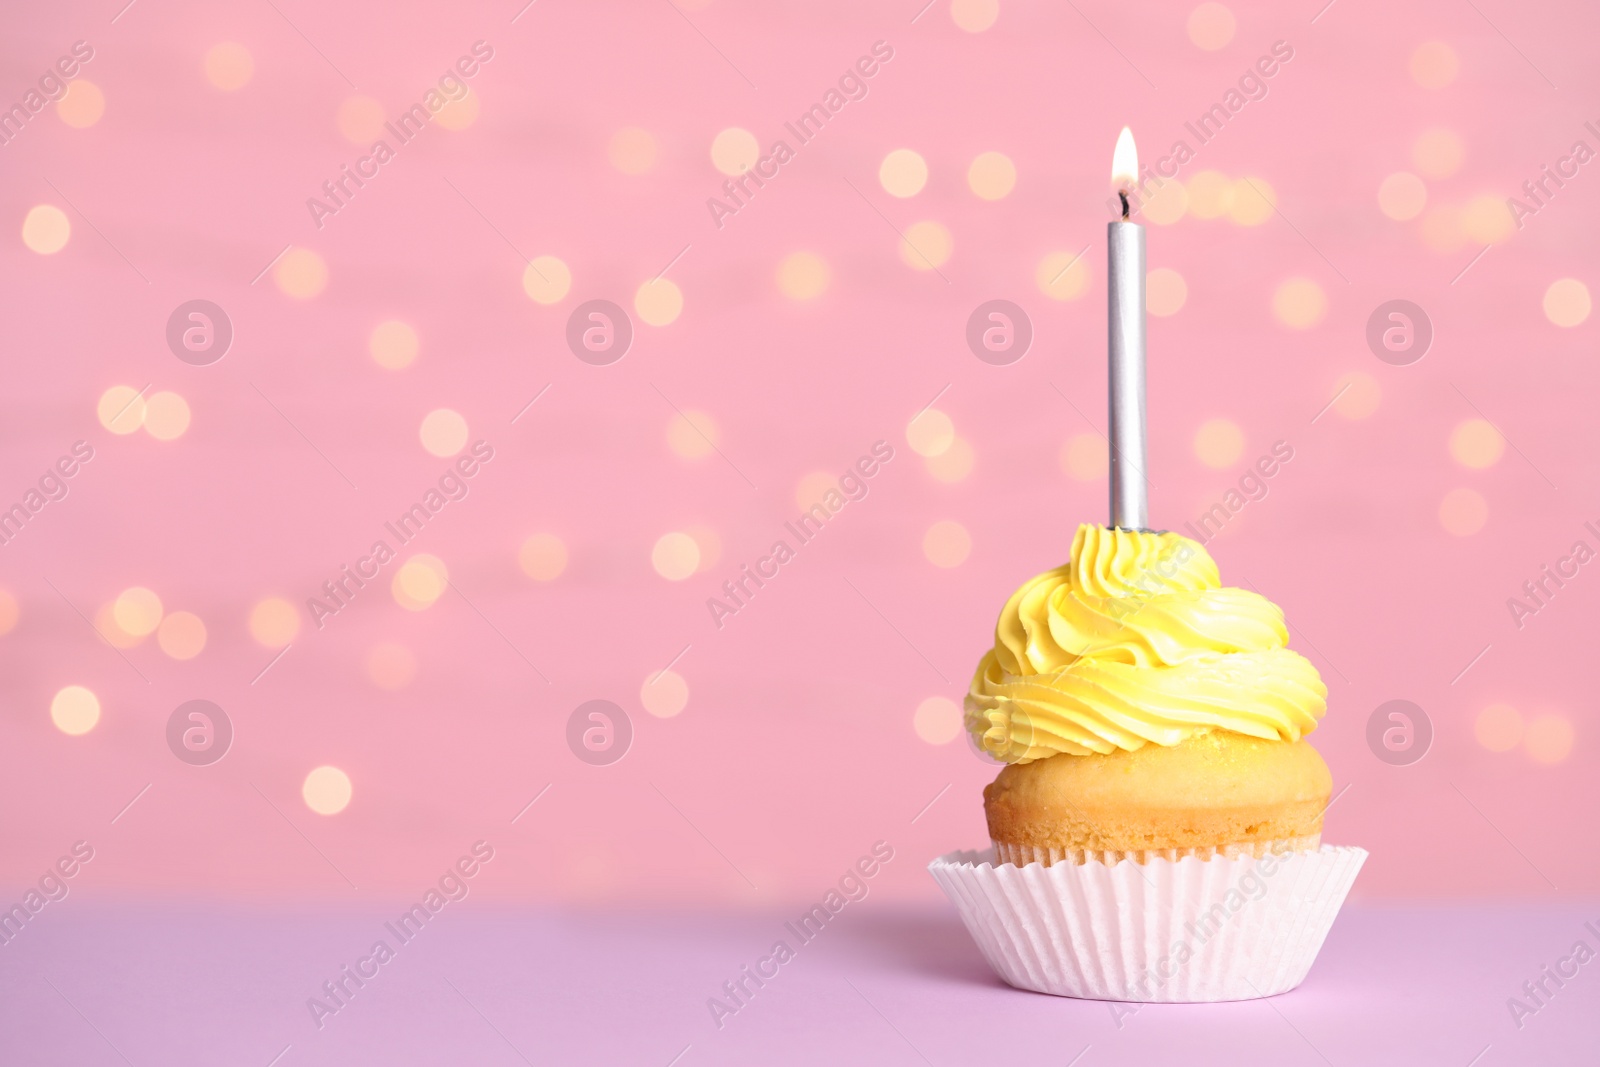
(1157, 827)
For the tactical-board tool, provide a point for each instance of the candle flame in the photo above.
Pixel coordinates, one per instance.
(1124, 162)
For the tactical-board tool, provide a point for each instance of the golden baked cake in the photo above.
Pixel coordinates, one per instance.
(1146, 711)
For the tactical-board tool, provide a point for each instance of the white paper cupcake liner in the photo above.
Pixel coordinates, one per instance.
(1165, 931)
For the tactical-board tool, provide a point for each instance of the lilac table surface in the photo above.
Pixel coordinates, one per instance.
(89, 982)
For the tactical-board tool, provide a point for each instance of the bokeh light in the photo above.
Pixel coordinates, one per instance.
(46, 229)
(1165, 292)
(927, 245)
(664, 694)
(1402, 196)
(274, 622)
(1166, 203)
(393, 344)
(1434, 65)
(82, 104)
(803, 276)
(546, 280)
(300, 274)
(658, 302)
(1299, 303)
(930, 432)
(692, 434)
(1211, 26)
(229, 66)
(734, 151)
(954, 463)
(461, 113)
(937, 720)
(361, 120)
(1548, 738)
(1477, 444)
(1210, 194)
(420, 582)
(1463, 512)
(327, 790)
(1362, 397)
(974, 16)
(137, 611)
(992, 175)
(1085, 457)
(391, 667)
(166, 416)
(1062, 275)
(443, 432)
(946, 544)
(903, 173)
(1253, 202)
(10, 612)
(1498, 728)
(75, 710)
(105, 623)
(632, 150)
(1219, 443)
(1487, 220)
(182, 635)
(675, 556)
(813, 487)
(121, 409)
(543, 557)
(1566, 302)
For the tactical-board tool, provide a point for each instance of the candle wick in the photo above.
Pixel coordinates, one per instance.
(1122, 194)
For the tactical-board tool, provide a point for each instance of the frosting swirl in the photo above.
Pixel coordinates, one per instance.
(1135, 641)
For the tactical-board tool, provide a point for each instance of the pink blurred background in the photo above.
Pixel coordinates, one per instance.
(1392, 540)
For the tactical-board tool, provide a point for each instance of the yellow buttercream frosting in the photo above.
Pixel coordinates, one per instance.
(1135, 641)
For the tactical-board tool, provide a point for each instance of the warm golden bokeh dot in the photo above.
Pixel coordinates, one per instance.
(658, 302)
(460, 114)
(1062, 275)
(937, 720)
(137, 611)
(1463, 512)
(10, 611)
(903, 173)
(1488, 221)
(543, 557)
(274, 622)
(954, 463)
(75, 710)
(1402, 196)
(1210, 194)
(443, 432)
(927, 245)
(1442, 229)
(1498, 728)
(664, 694)
(229, 66)
(1477, 444)
(546, 280)
(1219, 443)
(946, 544)
(1362, 397)
(1253, 202)
(974, 16)
(121, 409)
(813, 487)
(327, 790)
(300, 274)
(1437, 153)
(1299, 303)
(1434, 65)
(692, 435)
(675, 556)
(182, 635)
(1211, 26)
(930, 433)
(632, 150)
(1085, 457)
(361, 120)
(1166, 203)
(391, 667)
(393, 345)
(1566, 302)
(1165, 292)
(46, 229)
(803, 276)
(420, 582)
(81, 105)
(105, 623)
(166, 416)
(1548, 739)
(734, 151)
(992, 176)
